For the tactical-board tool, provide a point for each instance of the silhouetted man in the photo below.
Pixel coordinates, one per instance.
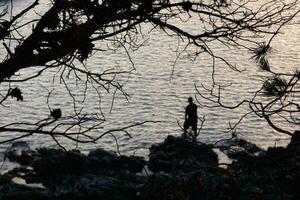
(191, 118)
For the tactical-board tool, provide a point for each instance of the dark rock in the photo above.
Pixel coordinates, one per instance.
(248, 146)
(19, 152)
(273, 174)
(237, 147)
(192, 174)
(213, 183)
(295, 141)
(95, 187)
(131, 163)
(179, 154)
(106, 160)
(73, 175)
(50, 163)
(13, 191)
(55, 162)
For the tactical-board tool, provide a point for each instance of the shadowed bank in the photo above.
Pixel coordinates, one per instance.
(177, 169)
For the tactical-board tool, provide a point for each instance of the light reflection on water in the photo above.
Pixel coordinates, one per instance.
(154, 95)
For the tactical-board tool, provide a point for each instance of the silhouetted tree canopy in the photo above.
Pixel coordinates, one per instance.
(66, 34)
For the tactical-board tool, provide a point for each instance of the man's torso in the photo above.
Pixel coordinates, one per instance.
(191, 111)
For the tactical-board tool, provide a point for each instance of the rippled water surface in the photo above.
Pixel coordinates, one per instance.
(158, 94)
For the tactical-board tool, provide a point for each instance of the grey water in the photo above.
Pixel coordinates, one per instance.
(158, 91)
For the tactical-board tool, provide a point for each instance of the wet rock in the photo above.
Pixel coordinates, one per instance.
(19, 152)
(236, 147)
(273, 174)
(179, 154)
(183, 171)
(73, 175)
(56, 162)
(88, 186)
(65, 173)
(12, 191)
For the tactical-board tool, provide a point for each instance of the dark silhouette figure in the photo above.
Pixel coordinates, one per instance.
(191, 118)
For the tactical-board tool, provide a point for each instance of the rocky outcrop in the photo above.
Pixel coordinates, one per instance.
(179, 170)
(253, 174)
(19, 152)
(270, 175)
(237, 147)
(179, 154)
(212, 183)
(73, 175)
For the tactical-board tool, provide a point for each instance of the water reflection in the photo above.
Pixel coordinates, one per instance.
(157, 96)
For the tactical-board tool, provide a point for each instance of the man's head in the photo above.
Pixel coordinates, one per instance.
(190, 99)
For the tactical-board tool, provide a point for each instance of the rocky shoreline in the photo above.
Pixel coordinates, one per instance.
(177, 169)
